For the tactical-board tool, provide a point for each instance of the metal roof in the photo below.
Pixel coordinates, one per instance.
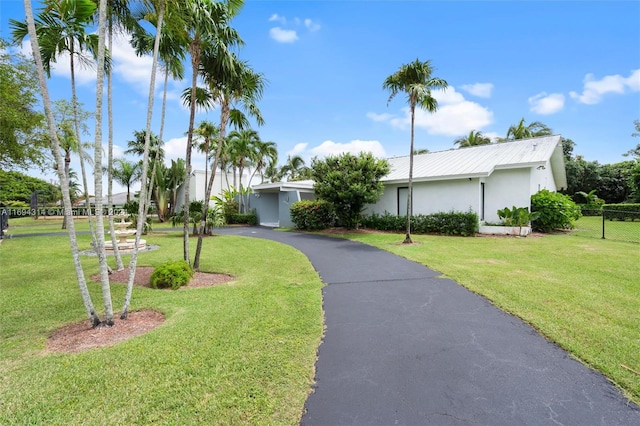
(480, 161)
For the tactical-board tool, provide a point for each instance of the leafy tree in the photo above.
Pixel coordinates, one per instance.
(22, 136)
(416, 80)
(16, 186)
(533, 130)
(567, 149)
(474, 138)
(349, 182)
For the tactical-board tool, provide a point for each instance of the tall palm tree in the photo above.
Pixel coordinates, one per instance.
(474, 138)
(266, 155)
(66, 199)
(126, 173)
(416, 80)
(533, 130)
(206, 24)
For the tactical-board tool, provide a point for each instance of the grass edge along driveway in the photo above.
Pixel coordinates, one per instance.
(581, 293)
(239, 353)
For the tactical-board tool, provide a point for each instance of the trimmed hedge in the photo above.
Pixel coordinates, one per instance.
(171, 275)
(312, 215)
(242, 219)
(452, 223)
(622, 211)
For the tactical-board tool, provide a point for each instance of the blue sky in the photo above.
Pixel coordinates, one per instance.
(573, 65)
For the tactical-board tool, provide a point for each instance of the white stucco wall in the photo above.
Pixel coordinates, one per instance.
(198, 185)
(432, 197)
(542, 178)
(507, 188)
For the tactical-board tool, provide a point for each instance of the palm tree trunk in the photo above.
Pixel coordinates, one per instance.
(224, 117)
(66, 199)
(194, 50)
(76, 122)
(97, 175)
(407, 238)
(142, 208)
(114, 241)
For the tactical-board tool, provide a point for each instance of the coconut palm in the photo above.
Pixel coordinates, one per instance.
(416, 80)
(266, 155)
(206, 134)
(474, 138)
(64, 182)
(533, 130)
(126, 173)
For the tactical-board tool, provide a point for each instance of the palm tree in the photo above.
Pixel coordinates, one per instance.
(474, 138)
(533, 130)
(206, 24)
(416, 80)
(266, 156)
(293, 168)
(136, 146)
(66, 199)
(126, 173)
(206, 133)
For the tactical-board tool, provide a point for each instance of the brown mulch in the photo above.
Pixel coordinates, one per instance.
(81, 336)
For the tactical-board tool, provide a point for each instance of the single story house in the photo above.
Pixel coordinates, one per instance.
(272, 201)
(482, 178)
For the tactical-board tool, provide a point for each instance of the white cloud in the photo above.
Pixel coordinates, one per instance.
(311, 26)
(61, 68)
(328, 148)
(283, 36)
(177, 147)
(277, 18)
(455, 115)
(481, 90)
(298, 149)
(546, 104)
(594, 90)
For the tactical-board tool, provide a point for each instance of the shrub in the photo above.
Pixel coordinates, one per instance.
(517, 216)
(556, 211)
(451, 223)
(312, 215)
(171, 275)
(242, 218)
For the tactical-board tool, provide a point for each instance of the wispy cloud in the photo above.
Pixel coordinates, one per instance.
(594, 90)
(455, 115)
(287, 31)
(546, 104)
(481, 90)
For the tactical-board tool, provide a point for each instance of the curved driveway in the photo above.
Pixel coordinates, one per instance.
(403, 347)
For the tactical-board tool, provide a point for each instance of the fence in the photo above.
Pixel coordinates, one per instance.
(609, 224)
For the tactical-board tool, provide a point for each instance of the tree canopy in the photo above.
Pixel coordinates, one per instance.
(349, 182)
(23, 141)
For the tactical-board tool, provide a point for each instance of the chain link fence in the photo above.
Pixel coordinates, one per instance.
(609, 224)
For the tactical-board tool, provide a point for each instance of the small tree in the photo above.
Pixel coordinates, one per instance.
(349, 182)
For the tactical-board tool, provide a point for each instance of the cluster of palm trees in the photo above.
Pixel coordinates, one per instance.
(515, 132)
(171, 32)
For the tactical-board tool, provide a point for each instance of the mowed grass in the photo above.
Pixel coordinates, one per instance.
(582, 293)
(238, 353)
(591, 226)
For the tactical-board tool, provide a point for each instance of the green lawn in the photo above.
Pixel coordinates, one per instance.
(591, 226)
(238, 353)
(582, 293)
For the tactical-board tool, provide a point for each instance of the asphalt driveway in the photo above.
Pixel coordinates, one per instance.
(404, 347)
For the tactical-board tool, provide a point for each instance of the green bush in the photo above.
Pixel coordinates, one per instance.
(556, 211)
(171, 275)
(242, 219)
(312, 215)
(622, 211)
(451, 223)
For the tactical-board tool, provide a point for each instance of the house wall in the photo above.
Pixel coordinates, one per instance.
(198, 185)
(507, 188)
(542, 178)
(286, 198)
(430, 197)
(266, 207)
